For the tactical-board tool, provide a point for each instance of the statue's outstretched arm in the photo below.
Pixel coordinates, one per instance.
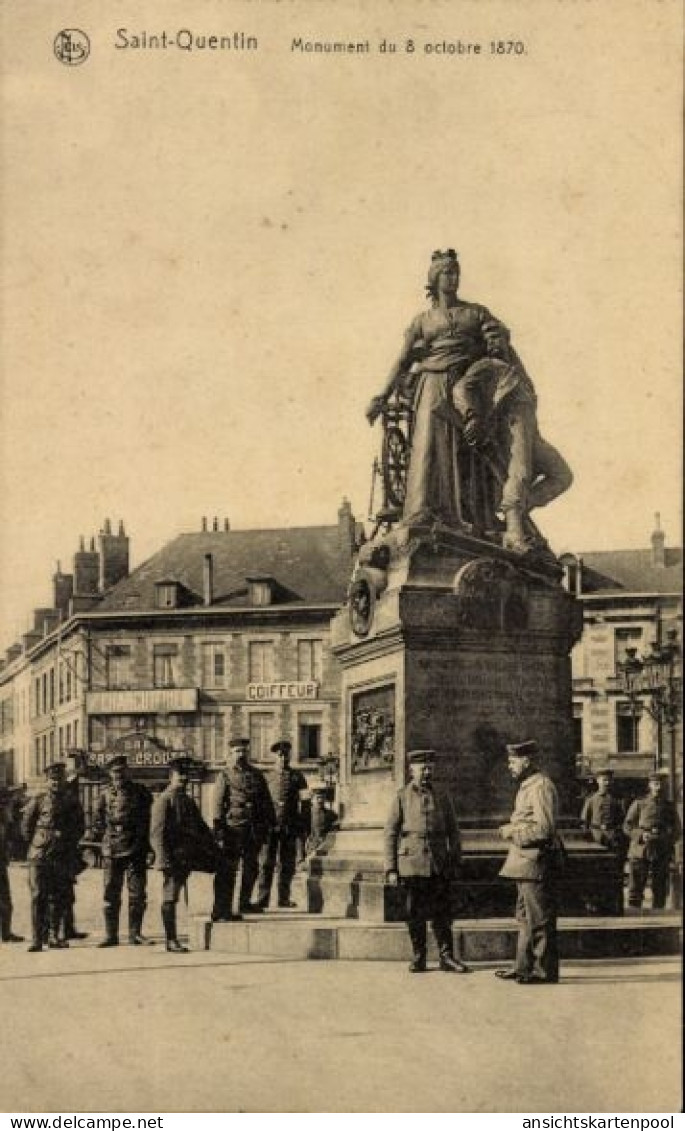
(404, 361)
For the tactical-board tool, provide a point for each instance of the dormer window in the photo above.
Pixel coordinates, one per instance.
(166, 594)
(261, 590)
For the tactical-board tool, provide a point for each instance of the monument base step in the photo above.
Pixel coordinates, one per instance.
(296, 935)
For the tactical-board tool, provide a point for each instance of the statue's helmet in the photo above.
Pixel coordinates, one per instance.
(439, 261)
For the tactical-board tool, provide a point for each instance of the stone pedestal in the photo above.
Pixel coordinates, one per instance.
(454, 644)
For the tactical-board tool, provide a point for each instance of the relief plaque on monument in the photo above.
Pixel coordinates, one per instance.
(373, 729)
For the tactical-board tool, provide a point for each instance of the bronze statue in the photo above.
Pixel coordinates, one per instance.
(476, 452)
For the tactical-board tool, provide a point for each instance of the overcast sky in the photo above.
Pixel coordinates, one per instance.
(210, 259)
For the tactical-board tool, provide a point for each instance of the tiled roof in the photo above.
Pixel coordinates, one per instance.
(311, 566)
(632, 571)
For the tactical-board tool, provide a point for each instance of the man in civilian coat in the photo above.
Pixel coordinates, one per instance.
(181, 843)
(422, 849)
(533, 861)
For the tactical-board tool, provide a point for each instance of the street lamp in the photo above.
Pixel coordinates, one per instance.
(656, 680)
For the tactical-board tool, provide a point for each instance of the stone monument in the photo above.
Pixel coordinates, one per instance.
(458, 631)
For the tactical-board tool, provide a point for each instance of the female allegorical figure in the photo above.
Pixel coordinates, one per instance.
(471, 392)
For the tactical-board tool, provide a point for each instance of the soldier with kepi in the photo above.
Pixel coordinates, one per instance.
(122, 823)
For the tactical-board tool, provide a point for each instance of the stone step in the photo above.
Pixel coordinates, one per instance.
(296, 935)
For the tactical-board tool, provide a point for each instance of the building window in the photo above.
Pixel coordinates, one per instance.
(61, 683)
(625, 638)
(44, 693)
(36, 698)
(68, 688)
(52, 688)
(213, 665)
(213, 745)
(577, 728)
(309, 728)
(76, 732)
(261, 592)
(118, 665)
(627, 728)
(261, 736)
(37, 765)
(166, 595)
(309, 659)
(165, 661)
(261, 661)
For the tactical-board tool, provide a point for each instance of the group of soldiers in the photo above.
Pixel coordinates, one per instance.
(259, 821)
(258, 825)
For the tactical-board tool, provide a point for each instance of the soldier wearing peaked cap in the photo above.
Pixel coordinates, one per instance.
(52, 822)
(532, 861)
(68, 928)
(181, 843)
(243, 815)
(286, 786)
(422, 849)
(653, 828)
(122, 823)
(602, 817)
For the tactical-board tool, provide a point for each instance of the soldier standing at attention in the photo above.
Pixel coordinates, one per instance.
(285, 786)
(52, 823)
(653, 828)
(532, 861)
(122, 823)
(243, 815)
(181, 843)
(72, 773)
(422, 848)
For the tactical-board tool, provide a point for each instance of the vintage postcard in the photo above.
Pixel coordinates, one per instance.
(306, 306)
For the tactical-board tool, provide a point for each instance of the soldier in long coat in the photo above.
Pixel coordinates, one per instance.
(653, 829)
(242, 817)
(181, 843)
(286, 786)
(68, 928)
(533, 861)
(422, 849)
(122, 824)
(53, 821)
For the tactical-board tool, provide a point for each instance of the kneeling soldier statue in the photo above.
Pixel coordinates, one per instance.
(181, 842)
(52, 822)
(122, 823)
(422, 849)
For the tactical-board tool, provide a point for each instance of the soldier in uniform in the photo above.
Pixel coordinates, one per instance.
(122, 823)
(422, 849)
(285, 786)
(533, 861)
(243, 815)
(602, 817)
(68, 928)
(653, 828)
(181, 843)
(53, 821)
(322, 820)
(5, 895)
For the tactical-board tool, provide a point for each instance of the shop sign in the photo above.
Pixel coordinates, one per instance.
(294, 689)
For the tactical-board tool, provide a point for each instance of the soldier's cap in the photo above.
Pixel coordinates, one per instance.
(282, 747)
(527, 749)
(657, 775)
(604, 772)
(55, 769)
(421, 757)
(239, 744)
(119, 760)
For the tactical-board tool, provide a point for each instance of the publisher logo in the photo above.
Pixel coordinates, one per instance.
(72, 47)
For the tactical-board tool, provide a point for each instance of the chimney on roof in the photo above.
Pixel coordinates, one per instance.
(204, 524)
(346, 526)
(113, 556)
(86, 570)
(658, 544)
(215, 524)
(62, 591)
(227, 525)
(208, 579)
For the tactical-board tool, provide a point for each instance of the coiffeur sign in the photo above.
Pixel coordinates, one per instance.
(293, 689)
